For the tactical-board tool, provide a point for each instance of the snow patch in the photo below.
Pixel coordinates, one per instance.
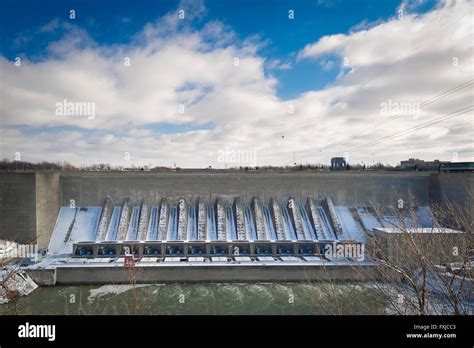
(111, 289)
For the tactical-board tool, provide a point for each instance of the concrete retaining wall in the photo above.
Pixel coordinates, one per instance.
(402, 249)
(43, 277)
(225, 273)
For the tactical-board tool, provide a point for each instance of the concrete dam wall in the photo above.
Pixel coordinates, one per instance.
(18, 207)
(29, 206)
(350, 189)
(30, 202)
(455, 188)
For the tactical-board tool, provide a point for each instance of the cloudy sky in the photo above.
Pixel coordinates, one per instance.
(224, 83)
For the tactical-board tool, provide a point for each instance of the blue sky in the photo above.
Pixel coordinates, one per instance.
(116, 22)
(183, 98)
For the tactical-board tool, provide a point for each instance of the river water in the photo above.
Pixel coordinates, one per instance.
(202, 298)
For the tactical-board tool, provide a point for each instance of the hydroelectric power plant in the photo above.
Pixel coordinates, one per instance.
(118, 227)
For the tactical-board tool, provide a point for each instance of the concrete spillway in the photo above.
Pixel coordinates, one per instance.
(306, 224)
(269, 226)
(104, 219)
(202, 220)
(328, 207)
(163, 221)
(240, 220)
(211, 223)
(249, 223)
(230, 223)
(112, 231)
(295, 217)
(290, 233)
(182, 233)
(275, 212)
(124, 219)
(192, 227)
(315, 218)
(143, 221)
(258, 219)
(132, 233)
(172, 233)
(222, 220)
(153, 223)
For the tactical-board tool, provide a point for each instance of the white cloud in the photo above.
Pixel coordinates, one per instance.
(276, 64)
(438, 31)
(327, 65)
(51, 26)
(327, 44)
(172, 64)
(411, 5)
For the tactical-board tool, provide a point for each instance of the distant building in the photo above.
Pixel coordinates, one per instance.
(338, 163)
(418, 164)
(457, 167)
